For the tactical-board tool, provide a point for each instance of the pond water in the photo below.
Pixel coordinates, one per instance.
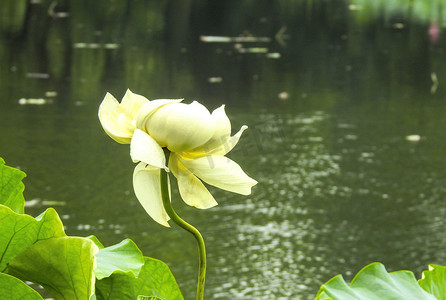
(345, 102)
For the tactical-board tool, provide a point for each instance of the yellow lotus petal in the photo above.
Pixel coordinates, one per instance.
(220, 148)
(145, 149)
(222, 142)
(149, 108)
(117, 119)
(109, 117)
(132, 103)
(191, 189)
(220, 172)
(146, 183)
(181, 127)
(221, 133)
(222, 128)
(228, 144)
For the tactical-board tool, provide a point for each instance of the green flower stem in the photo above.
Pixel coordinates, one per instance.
(183, 224)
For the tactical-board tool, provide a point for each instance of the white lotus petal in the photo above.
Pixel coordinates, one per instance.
(222, 128)
(217, 148)
(144, 148)
(132, 102)
(229, 144)
(191, 189)
(181, 127)
(221, 172)
(149, 108)
(114, 120)
(146, 183)
(221, 134)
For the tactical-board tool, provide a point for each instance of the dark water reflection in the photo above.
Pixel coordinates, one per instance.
(330, 105)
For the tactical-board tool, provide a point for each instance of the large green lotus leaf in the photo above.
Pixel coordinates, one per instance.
(19, 231)
(96, 241)
(124, 256)
(119, 286)
(63, 266)
(374, 283)
(155, 281)
(12, 288)
(11, 187)
(434, 281)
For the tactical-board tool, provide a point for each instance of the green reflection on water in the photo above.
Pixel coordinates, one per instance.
(340, 186)
(12, 16)
(430, 10)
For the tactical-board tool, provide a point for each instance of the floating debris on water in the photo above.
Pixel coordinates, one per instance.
(216, 39)
(39, 202)
(273, 55)
(56, 14)
(86, 45)
(34, 101)
(50, 94)
(49, 98)
(283, 95)
(413, 138)
(252, 50)
(398, 25)
(351, 137)
(434, 83)
(38, 75)
(281, 36)
(215, 79)
(109, 46)
(238, 40)
(235, 39)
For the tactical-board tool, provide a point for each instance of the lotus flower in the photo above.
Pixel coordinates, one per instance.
(196, 142)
